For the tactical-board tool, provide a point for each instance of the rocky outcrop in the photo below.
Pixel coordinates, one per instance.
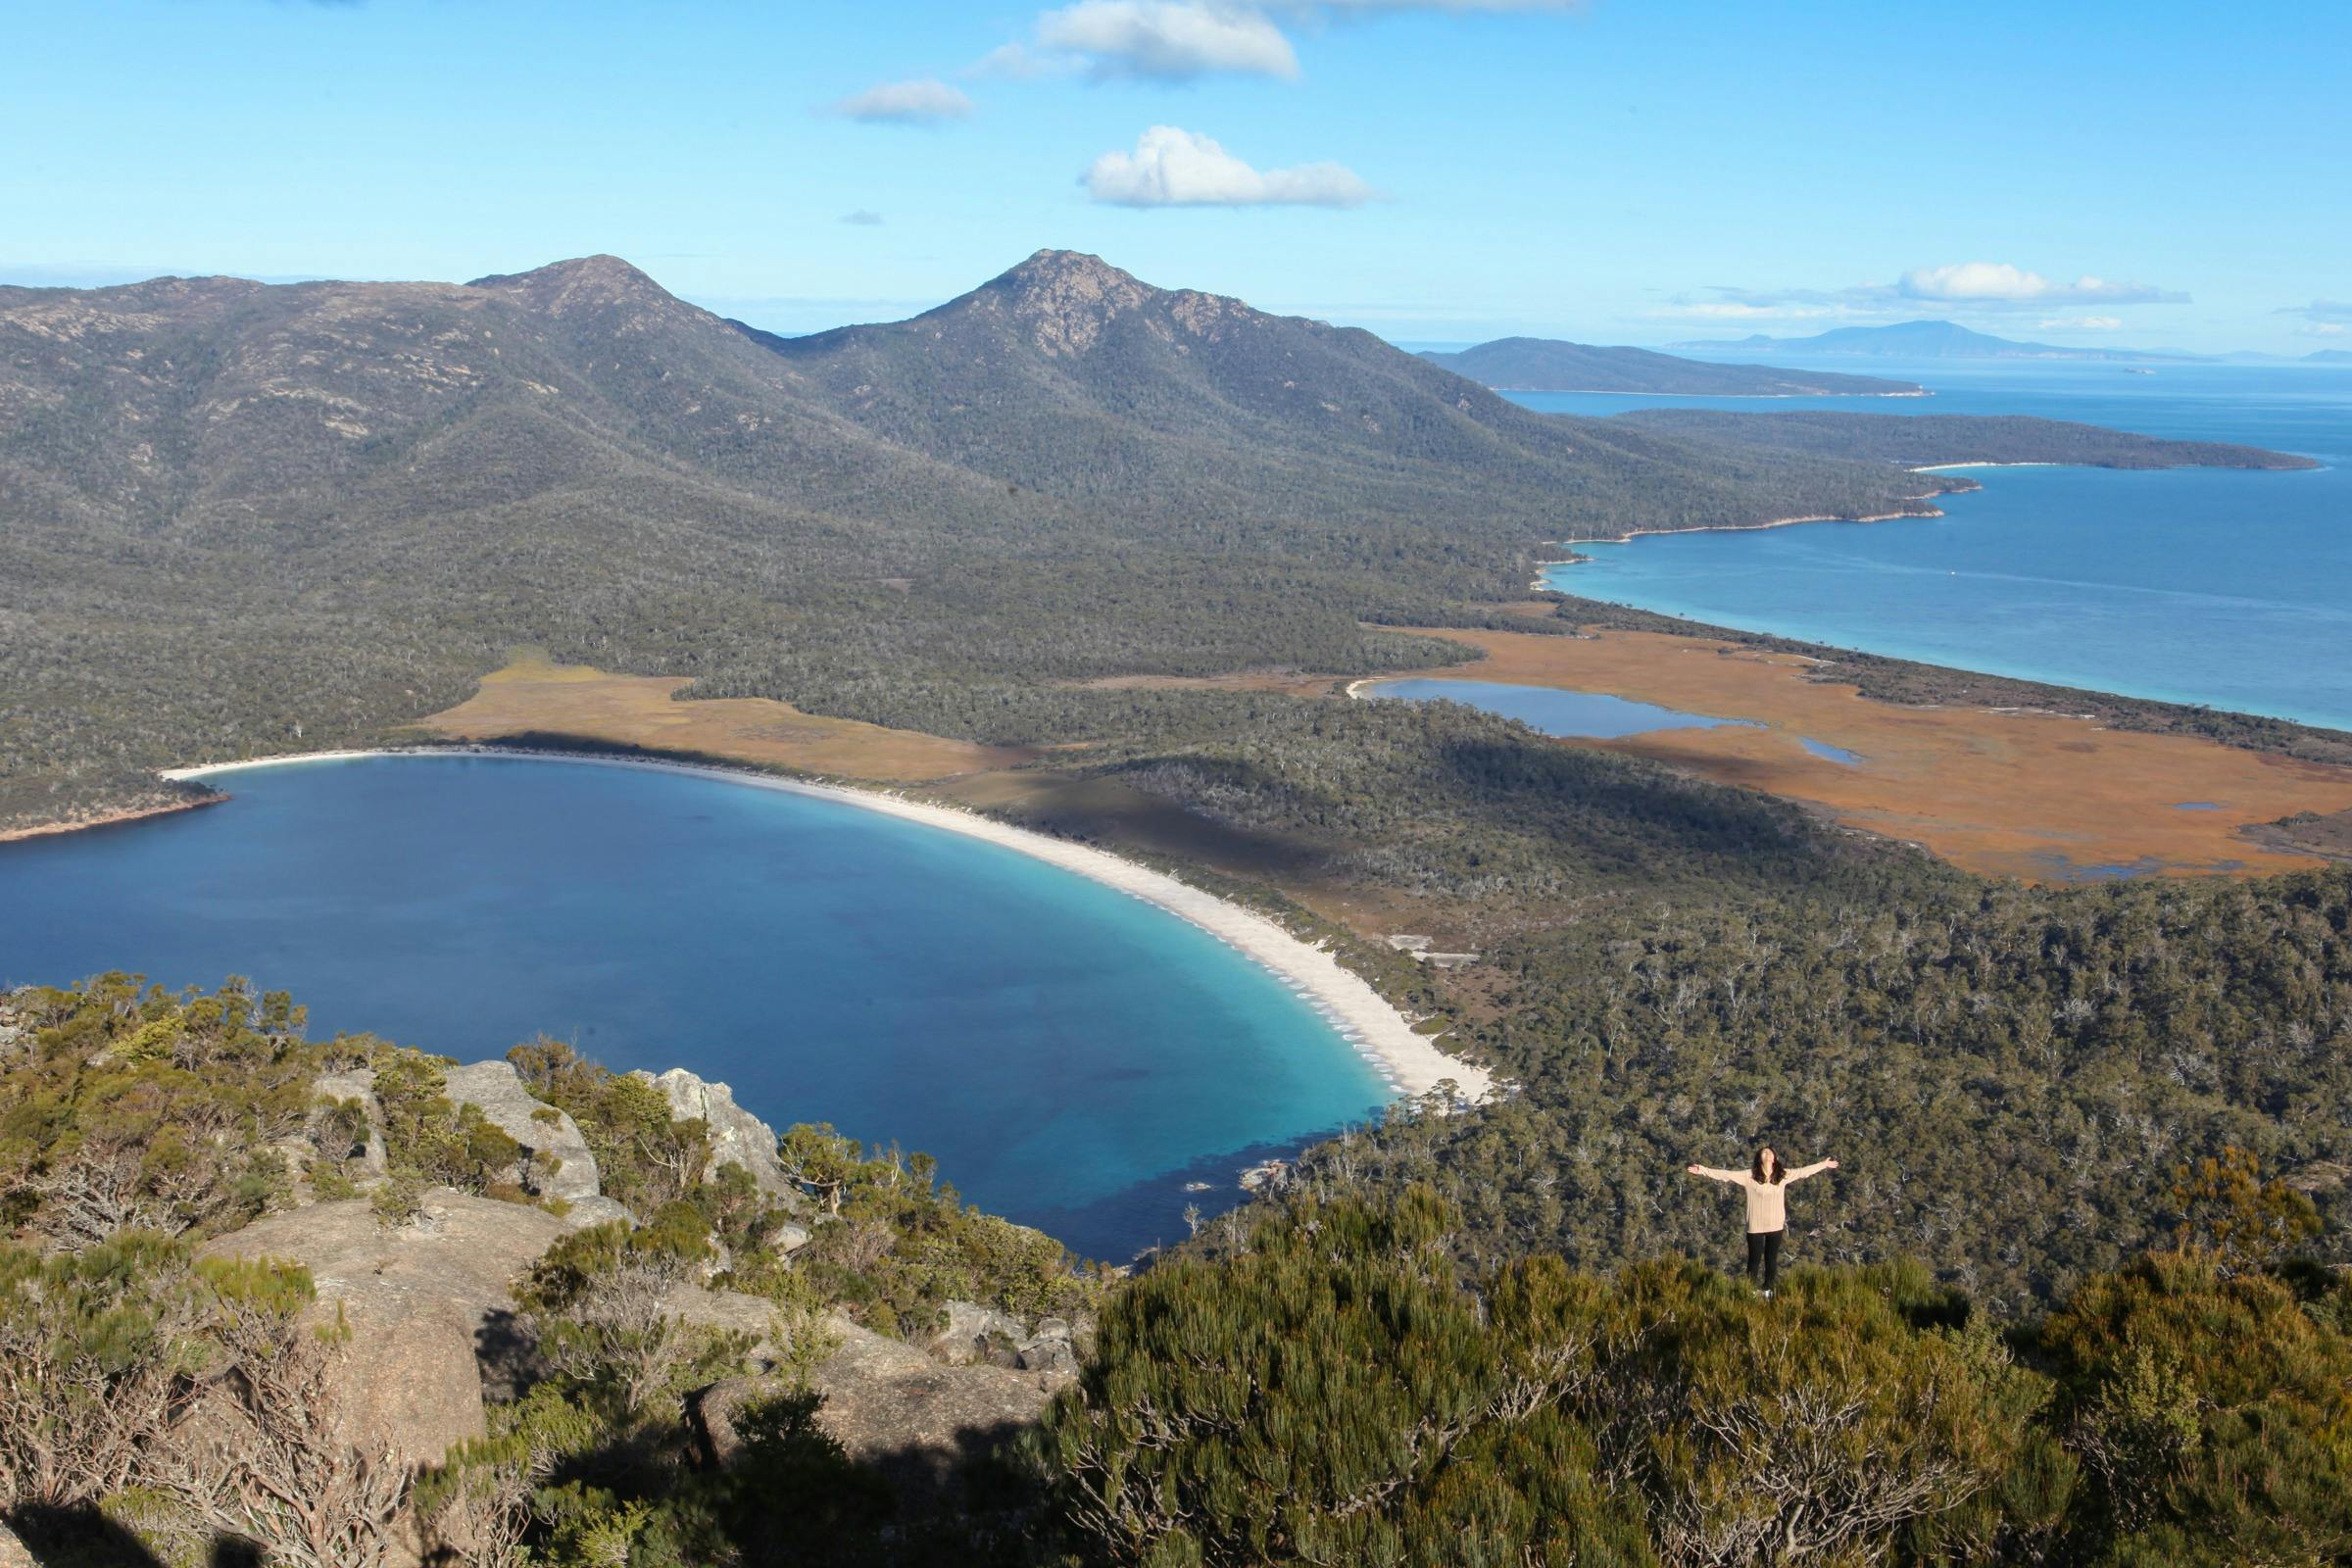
(539, 1127)
(497, 1089)
(1052, 1347)
(12, 1551)
(890, 1405)
(434, 1329)
(918, 1422)
(359, 1085)
(428, 1304)
(584, 1212)
(977, 1334)
(736, 1137)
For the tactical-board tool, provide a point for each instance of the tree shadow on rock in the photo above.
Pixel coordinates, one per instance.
(83, 1538)
(507, 1352)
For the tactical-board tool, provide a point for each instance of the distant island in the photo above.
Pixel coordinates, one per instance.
(1918, 340)
(1550, 364)
(1954, 440)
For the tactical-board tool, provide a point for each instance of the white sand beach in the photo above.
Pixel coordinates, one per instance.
(1409, 1063)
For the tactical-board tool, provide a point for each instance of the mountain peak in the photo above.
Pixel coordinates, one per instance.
(1065, 298)
(1052, 268)
(582, 282)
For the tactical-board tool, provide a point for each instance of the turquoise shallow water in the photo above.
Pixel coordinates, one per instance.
(2225, 588)
(1071, 1054)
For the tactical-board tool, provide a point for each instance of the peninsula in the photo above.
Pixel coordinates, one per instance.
(1550, 364)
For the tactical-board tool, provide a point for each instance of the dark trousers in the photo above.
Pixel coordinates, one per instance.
(1764, 1258)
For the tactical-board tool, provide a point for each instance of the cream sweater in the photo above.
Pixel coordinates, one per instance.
(1767, 1201)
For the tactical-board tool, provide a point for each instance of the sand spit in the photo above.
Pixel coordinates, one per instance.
(1407, 1061)
(138, 814)
(1631, 534)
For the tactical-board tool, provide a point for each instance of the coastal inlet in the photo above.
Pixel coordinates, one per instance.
(1072, 1054)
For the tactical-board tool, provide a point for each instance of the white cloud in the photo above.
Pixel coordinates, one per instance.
(2324, 313)
(1966, 287)
(1168, 40)
(2080, 324)
(1998, 282)
(923, 102)
(2331, 330)
(1344, 5)
(1178, 40)
(1017, 62)
(1172, 168)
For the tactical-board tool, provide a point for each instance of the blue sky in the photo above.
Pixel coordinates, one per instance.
(1623, 171)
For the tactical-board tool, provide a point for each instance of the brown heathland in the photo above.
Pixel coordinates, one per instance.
(2039, 795)
(2042, 797)
(536, 697)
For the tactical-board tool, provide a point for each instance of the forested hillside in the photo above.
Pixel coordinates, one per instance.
(2007, 1075)
(238, 519)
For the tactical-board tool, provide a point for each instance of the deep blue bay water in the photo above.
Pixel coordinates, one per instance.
(1071, 1054)
(2231, 589)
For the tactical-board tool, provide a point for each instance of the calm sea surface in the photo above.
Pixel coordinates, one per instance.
(1072, 1056)
(2229, 589)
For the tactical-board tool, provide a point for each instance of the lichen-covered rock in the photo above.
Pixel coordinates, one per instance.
(428, 1304)
(539, 1127)
(890, 1405)
(736, 1137)
(1047, 1353)
(977, 1334)
(12, 1551)
(595, 1210)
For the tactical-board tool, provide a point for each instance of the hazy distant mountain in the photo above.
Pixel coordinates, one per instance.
(2329, 356)
(1915, 340)
(1550, 364)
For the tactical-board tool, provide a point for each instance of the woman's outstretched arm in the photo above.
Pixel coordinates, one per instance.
(1803, 1171)
(1714, 1175)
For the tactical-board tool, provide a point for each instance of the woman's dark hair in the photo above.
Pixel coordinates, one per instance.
(1778, 1169)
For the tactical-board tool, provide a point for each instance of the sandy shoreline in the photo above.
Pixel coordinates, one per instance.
(1408, 1062)
(1746, 397)
(1632, 534)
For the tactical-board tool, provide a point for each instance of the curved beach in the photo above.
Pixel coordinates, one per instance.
(1409, 1061)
